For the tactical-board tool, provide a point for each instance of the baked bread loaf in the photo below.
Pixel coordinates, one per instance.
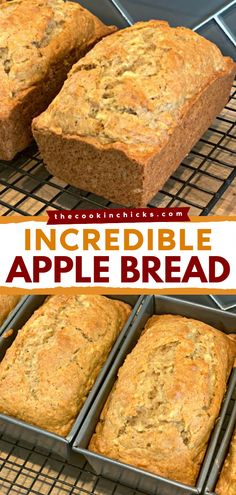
(54, 361)
(227, 481)
(131, 110)
(167, 397)
(40, 40)
(7, 304)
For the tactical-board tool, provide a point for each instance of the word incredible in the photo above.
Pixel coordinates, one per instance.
(91, 255)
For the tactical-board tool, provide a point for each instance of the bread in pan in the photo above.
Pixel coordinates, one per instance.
(56, 357)
(164, 404)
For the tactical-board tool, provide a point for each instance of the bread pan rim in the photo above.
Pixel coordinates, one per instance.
(41, 432)
(113, 373)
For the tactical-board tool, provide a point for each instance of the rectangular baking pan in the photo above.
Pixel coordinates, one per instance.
(107, 11)
(40, 438)
(129, 475)
(12, 314)
(224, 302)
(223, 447)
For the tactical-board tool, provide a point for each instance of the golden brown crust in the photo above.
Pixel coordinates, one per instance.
(163, 407)
(132, 92)
(227, 481)
(132, 89)
(7, 304)
(53, 363)
(55, 35)
(112, 174)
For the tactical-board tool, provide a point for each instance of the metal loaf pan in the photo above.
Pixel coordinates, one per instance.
(12, 314)
(127, 474)
(40, 438)
(223, 447)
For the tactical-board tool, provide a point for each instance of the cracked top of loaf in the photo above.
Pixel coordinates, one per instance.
(227, 480)
(34, 35)
(56, 357)
(132, 88)
(164, 404)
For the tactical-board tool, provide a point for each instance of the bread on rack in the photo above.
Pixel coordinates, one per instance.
(40, 40)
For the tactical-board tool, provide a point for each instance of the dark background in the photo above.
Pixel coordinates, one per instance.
(221, 28)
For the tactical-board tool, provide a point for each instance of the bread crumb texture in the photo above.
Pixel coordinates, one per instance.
(167, 397)
(34, 36)
(227, 480)
(132, 88)
(54, 361)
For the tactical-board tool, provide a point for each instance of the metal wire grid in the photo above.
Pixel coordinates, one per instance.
(26, 471)
(30, 470)
(27, 188)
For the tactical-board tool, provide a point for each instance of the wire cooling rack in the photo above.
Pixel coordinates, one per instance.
(24, 471)
(27, 188)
